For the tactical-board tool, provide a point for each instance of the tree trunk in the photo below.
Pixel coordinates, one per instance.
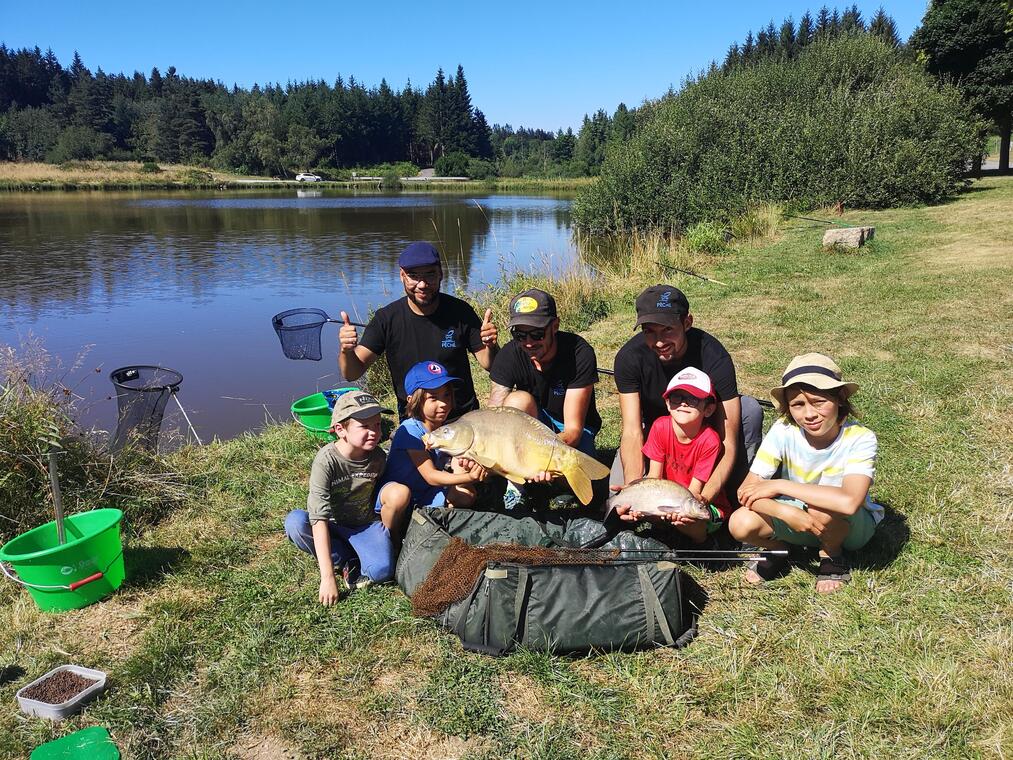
(1004, 135)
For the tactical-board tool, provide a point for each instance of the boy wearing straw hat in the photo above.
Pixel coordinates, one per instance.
(826, 461)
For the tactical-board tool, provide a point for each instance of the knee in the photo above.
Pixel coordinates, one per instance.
(395, 497)
(523, 401)
(745, 524)
(296, 523)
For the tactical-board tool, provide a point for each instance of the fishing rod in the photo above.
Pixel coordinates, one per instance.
(687, 555)
(692, 274)
(821, 221)
(761, 401)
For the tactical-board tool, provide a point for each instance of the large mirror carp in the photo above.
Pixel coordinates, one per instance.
(517, 446)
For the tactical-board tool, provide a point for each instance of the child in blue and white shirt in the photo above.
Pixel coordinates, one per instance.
(417, 477)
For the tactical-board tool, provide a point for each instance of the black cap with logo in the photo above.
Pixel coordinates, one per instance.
(662, 305)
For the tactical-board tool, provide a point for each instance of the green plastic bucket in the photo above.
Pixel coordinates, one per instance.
(314, 412)
(88, 567)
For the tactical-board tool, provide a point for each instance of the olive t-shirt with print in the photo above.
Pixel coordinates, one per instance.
(341, 490)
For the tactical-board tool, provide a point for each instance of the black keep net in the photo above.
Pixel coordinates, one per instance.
(299, 332)
(141, 395)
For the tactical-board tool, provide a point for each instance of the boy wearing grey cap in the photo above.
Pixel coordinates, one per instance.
(339, 525)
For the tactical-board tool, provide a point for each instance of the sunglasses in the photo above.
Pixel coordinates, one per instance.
(675, 400)
(537, 334)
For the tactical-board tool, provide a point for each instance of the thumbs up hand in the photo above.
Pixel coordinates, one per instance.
(488, 332)
(347, 334)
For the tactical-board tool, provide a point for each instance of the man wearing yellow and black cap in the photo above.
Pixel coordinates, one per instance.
(547, 373)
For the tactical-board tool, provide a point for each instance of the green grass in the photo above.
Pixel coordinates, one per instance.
(217, 643)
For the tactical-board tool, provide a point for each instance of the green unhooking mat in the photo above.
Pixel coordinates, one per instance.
(499, 582)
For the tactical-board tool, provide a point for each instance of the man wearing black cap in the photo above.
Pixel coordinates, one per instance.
(425, 325)
(669, 343)
(547, 373)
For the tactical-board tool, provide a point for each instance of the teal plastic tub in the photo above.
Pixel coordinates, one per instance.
(313, 412)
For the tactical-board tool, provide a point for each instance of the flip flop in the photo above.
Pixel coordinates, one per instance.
(834, 569)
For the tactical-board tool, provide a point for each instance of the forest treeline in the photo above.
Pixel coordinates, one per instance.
(57, 114)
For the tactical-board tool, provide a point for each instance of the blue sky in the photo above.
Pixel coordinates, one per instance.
(538, 64)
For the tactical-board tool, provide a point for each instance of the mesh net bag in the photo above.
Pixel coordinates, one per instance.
(459, 565)
(299, 332)
(141, 395)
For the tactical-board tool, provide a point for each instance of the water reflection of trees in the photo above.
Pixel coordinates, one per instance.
(76, 251)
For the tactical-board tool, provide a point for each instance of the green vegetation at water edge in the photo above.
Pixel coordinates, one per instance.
(216, 644)
(848, 121)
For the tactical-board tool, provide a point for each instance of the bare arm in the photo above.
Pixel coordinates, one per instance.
(632, 440)
(575, 406)
(845, 499)
(728, 421)
(354, 363)
(485, 356)
(322, 548)
(437, 477)
(498, 394)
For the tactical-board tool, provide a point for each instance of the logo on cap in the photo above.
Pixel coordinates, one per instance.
(364, 398)
(686, 376)
(435, 369)
(525, 305)
(665, 301)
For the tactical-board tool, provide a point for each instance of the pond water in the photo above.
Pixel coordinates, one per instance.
(190, 281)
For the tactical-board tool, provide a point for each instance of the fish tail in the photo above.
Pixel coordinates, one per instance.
(591, 467)
(579, 482)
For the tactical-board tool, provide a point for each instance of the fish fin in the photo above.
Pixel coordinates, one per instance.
(487, 462)
(592, 468)
(579, 482)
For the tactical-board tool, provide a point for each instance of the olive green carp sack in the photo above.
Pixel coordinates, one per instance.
(518, 447)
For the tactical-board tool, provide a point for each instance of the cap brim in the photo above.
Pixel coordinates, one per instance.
(668, 319)
(692, 390)
(820, 382)
(436, 382)
(364, 414)
(529, 321)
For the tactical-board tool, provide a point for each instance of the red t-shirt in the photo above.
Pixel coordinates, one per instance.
(681, 462)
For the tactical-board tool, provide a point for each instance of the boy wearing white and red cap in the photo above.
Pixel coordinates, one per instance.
(683, 448)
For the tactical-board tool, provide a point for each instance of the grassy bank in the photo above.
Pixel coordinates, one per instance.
(216, 645)
(130, 175)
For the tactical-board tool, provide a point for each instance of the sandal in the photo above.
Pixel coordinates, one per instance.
(766, 568)
(833, 569)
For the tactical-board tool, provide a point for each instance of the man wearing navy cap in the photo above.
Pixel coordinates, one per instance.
(425, 325)
(669, 343)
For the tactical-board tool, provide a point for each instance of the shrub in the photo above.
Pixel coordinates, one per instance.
(391, 181)
(706, 237)
(479, 168)
(36, 412)
(150, 167)
(196, 178)
(452, 165)
(79, 144)
(850, 120)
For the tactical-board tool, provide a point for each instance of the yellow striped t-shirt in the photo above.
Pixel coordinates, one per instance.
(785, 447)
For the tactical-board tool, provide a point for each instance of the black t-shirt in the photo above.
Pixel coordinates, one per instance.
(445, 336)
(639, 370)
(574, 366)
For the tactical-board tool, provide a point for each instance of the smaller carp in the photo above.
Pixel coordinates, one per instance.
(655, 496)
